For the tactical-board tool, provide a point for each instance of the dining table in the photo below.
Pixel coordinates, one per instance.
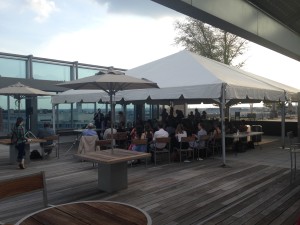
(13, 152)
(243, 134)
(112, 166)
(88, 212)
(236, 138)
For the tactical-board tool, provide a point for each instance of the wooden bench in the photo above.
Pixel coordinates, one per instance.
(103, 144)
(54, 145)
(24, 184)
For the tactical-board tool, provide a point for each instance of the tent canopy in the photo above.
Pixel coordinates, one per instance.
(189, 69)
(186, 77)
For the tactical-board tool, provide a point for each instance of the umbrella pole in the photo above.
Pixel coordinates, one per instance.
(111, 123)
(19, 100)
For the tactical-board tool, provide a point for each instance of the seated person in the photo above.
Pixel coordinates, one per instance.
(148, 133)
(139, 148)
(159, 134)
(89, 130)
(179, 133)
(201, 132)
(107, 133)
(47, 131)
(87, 140)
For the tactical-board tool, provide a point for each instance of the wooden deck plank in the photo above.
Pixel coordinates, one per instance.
(211, 203)
(200, 192)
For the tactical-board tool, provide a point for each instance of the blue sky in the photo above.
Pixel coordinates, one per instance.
(119, 33)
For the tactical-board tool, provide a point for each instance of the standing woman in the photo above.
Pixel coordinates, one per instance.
(21, 140)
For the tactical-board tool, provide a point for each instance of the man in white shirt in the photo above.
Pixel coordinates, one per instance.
(160, 133)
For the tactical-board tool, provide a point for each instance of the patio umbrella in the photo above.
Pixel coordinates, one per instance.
(110, 81)
(20, 91)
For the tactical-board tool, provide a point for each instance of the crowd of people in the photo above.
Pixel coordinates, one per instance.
(170, 125)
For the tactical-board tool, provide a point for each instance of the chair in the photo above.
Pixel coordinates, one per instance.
(291, 142)
(203, 138)
(102, 144)
(140, 142)
(215, 144)
(165, 150)
(87, 144)
(186, 141)
(24, 185)
(294, 149)
(54, 145)
(121, 139)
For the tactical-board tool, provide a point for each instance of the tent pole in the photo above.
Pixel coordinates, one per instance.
(111, 123)
(298, 116)
(53, 118)
(283, 125)
(223, 124)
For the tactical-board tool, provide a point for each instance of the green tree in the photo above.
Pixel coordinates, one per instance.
(209, 41)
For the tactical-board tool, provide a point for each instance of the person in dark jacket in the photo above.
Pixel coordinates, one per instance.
(20, 142)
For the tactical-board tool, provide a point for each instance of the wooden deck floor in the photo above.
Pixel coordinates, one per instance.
(201, 192)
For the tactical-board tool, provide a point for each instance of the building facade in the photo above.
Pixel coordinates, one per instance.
(44, 74)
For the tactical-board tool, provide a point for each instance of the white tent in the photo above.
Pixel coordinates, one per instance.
(184, 69)
(193, 78)
(188, 77)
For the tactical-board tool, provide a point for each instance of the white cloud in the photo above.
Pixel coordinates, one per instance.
(124, 42)
(275, 66)
(4, 4)
(143, 8)
(43, 8)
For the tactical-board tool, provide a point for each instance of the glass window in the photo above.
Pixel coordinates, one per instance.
(46, 71)
(83, 113)
(84, 72)
(15, 104)
(148, 113)
(3, 116)
(44, 108)
(3, 102)
(64, 119)
(104, 107)
(12, 68)
(10, 112)
(17, 109)
(130, 115)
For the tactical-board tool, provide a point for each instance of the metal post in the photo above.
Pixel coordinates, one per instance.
(53, 118)
(298, 117)
(223, 124)
(283, 125)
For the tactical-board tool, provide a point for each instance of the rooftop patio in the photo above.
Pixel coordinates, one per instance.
(253, 189)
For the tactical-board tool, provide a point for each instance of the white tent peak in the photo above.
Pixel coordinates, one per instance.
(186, 68)
(193, 78)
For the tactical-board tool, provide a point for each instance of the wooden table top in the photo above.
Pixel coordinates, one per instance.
(7, 141)
(89, 212)
(243, 134)
(107, 157)
(81, 130)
